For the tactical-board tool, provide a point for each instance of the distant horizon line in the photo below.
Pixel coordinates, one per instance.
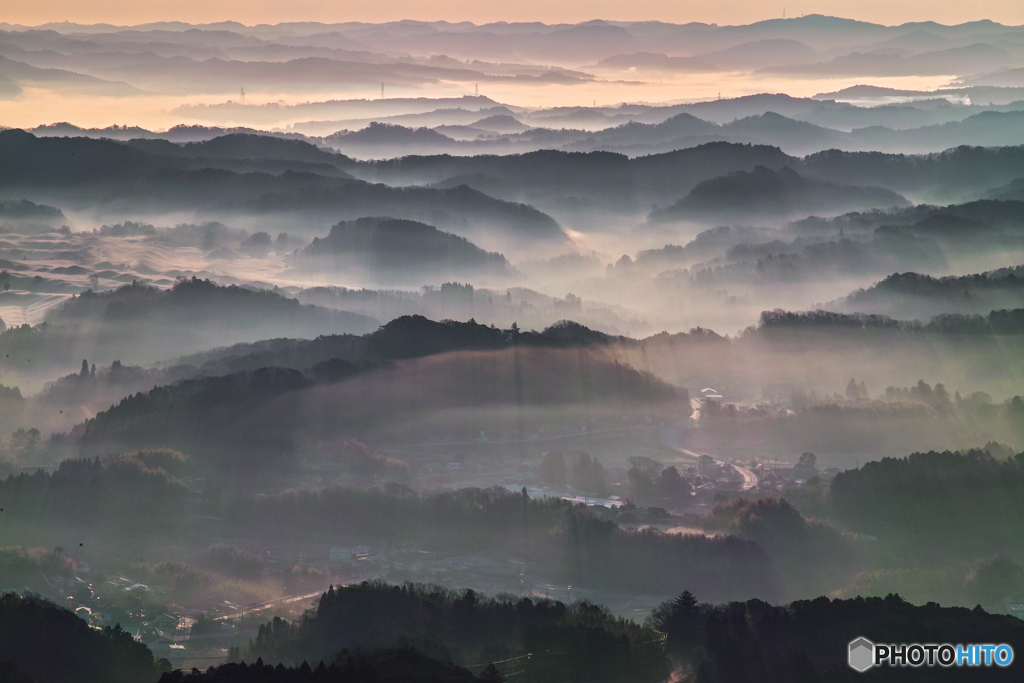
(447, 22)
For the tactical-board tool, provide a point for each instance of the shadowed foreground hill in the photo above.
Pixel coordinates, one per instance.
(754, 641)
(589, 642)
(441, 380)
(80, 491)
(392, 250)
(42, 642)
(268, 415)
(323, 359)
(922, 503)
(402, 665)
(481, 378)
(807, 641)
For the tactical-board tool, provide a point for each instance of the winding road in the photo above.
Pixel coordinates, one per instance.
(670, 437)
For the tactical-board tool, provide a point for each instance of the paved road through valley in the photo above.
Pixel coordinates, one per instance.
(670, 437)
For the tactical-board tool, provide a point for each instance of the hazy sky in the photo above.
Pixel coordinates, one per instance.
(479, 11)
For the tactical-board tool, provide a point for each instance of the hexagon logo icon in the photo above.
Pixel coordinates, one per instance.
(862, 654)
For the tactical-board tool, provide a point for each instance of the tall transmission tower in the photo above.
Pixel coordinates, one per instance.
(382, 91)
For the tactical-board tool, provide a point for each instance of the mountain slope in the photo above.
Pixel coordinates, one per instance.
(391, 250)
(773, 195)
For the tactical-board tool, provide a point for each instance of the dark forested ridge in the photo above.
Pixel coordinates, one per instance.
(79, 491)
(617, 181)
(13, 210)
(1004, 322)
(772, 195)
(40, 641)
(195, 299)
(807, 640)
(546, 640)
(985, 221)
(139, 323)
(406, 361)
(400, 250)
(400, 665)
(411, 336)
(752, 641)
(267, 413)
(260, 173)
(111, 176)
(912, 295)
(937, 503)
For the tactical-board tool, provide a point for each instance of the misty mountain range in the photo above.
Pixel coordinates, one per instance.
(169, 55)
(516, 351)
(114, 178)
(246, 173)
(806, 127)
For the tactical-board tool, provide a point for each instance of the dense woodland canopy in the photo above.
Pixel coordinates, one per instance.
(129, 490)
(807, 640)
(400, 250)
(547, 640)
(40, 641)
(927, 502)
(401, 665)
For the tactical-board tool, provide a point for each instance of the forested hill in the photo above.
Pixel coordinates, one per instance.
(1002, 322)
(398, 665)
(916, 295)
(390, 250)
(807, 641)
(142, 324)
(411, 336)
(263, 417)
(771, 194)
(615, 181)
(194, 300)
(417, 337)
(803, 642)
(116, 177)
(40, 641)
(589, 642)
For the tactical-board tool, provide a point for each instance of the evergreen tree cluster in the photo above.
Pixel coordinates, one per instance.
(806, 641)
(42, 642)
(547, 640)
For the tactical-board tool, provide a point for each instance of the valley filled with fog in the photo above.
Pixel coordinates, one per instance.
(430, 351)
